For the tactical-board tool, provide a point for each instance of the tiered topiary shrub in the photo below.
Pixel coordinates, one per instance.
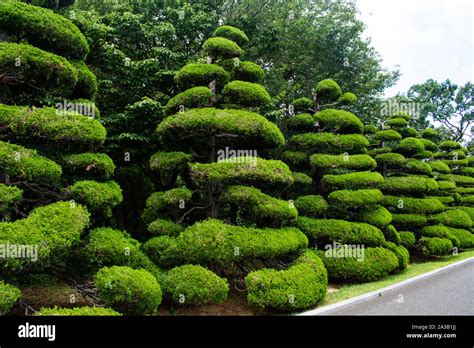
(417, 190)
(339, 208)
(54, 182)
(221, 210)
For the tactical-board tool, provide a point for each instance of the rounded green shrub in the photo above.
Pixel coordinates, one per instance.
(328, 91)
(408, 132)
(390, 160)
(302, 104)
(9, 195)
(377, 216)
(246, 93)
(374, 263)
(439, 167)
(195, 97)
(405, 221)
(414, 166)
(460, 180)
(440, 231)
(302, 285)
(43, 28)
(379, 151)
(99, 197)
(449, 145)
(232, 33)
(346, 199)
(387, 135)
(94, 165)
(165, 227)
(402, 254)
(430, 133)
(410, 146)
(391, 234)
(429, 145)
(466, 238)
(169, 162)
(347, 98)
(220, 47)
(311, 205)
(194, 285)
(409, 205)
(129, 291)
(78, 311)
(435, 246)
(9, 295)
(199, 74)
(162, 250)
(370, 129)
(454, 218)
(345, 122)
(158, 202)
(397, 122)
(300, 122)
(247, 71)
(86, 86)
(296, 158)
(352, 181)
(408, 239)
(327, 230)
(409, 185)
(330, 143)
(198, 124)
(323, 162)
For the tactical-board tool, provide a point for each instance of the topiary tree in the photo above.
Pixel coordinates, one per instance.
(53, 182)
(220, 206)
(329, 148)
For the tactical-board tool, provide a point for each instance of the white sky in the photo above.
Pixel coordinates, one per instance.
(426, 38)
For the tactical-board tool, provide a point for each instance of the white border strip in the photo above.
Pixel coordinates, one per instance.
(377, 293)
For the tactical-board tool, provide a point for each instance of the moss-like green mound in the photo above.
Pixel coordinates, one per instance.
(199, 74)
(232, 33)
(344, 122)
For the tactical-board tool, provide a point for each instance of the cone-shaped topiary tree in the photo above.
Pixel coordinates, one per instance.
(340, 210)
(53, 182)
(220, 205)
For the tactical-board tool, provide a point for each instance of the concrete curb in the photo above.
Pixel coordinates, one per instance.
(379, 292)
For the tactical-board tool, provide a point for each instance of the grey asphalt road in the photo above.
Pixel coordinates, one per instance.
(447, 293)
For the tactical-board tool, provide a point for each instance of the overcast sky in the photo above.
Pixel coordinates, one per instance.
(426, 38)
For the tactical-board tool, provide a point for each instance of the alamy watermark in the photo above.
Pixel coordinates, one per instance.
(86, 109)
(393, 107)
(337, 250)
(237, 156)
(19, 251)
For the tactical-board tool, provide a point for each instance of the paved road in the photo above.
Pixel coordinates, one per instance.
(448, 293)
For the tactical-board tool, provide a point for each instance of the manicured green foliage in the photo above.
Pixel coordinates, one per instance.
(328, 91)
(377, 216)
(402, 254)
(302, 285)
(296, 158)
(311, 205)
(429, 145)
(446, 200)
(165, 227)
(195, 97)
(370, 129)
(246, 93)
(199, 74)
(469, 210)
(414, 166)
(49, 125)
(410, 146)
(435, 246)
(9, 295)
(323, 162)
(258, 207)
(108, 247)
(9, 195)
(330, 143)
(454, 218)
(78, 311)
(302, 104)
(46, 71)
(467, 171)
(460, 180)
(159, 201)
(387, 135)
(220, 47)
(391, 234)
(44, 29)
(430, 133)
(405, 221)
(94, 165)
(301, 179)
(326, 230)
(390, 160)
(379, 151)
(375, 263)
(347, 98)
(409, 185)
(449, 145)
(409, 205)
(408, 239)
(237, 170)
(169, 162)
(53, 229)
(346, 199)
(397, 122)
(440, 231)
(352, 181)
(232, 33)
(333, 120)
(439, 167)
(300, 122)
(214, 242)
(194, 285)
(401, 114)
(466, 238)
(247, 71)
(100, 197)
(128, 291)
(199, 124)
(86, 86)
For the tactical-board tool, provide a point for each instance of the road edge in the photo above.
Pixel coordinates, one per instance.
(379, 292)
